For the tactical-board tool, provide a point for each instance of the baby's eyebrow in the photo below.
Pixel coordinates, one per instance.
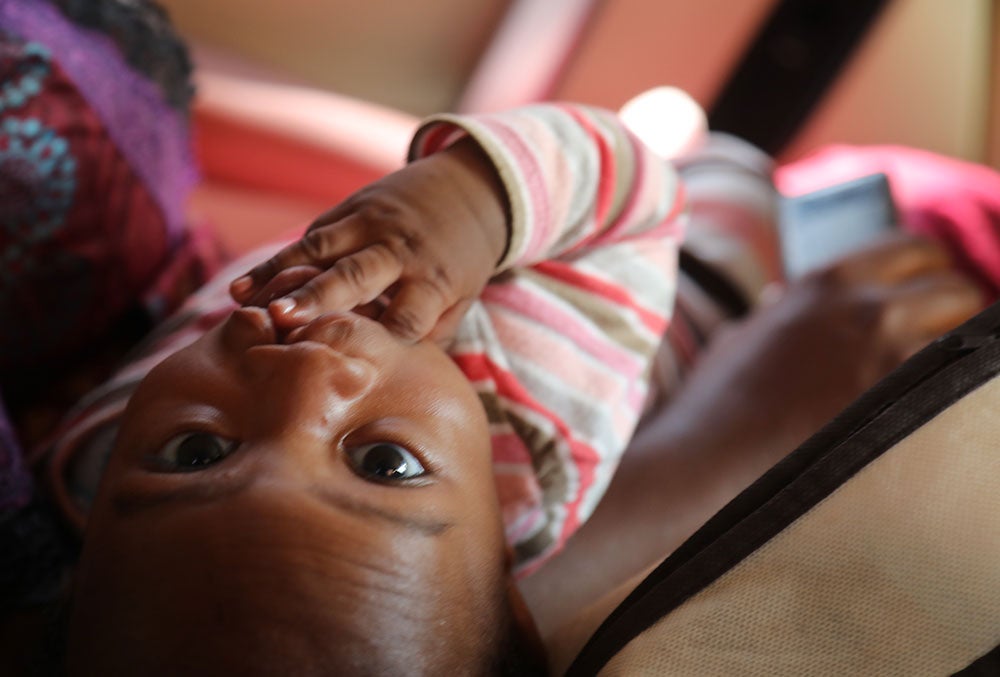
(127, 504)
(429, 527)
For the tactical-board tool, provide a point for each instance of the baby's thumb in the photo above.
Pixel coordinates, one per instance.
(413, 312)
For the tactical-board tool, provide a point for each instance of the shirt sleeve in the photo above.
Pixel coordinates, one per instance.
(575, 178)
(561, 343)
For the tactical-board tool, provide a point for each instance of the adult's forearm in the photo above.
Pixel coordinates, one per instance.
(679, 470)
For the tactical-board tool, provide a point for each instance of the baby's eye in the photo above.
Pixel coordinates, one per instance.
(384, 461)
(192, 451)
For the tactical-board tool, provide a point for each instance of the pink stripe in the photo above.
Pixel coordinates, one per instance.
(682, 336)
(636, 397)
(509, 448)
(534, 180)
(639, 199)
(534, 307)
(432, 141)
(585, 457)
(537, 346)
(635, 200)
(623, 422)
(612, 291)
(608, 176)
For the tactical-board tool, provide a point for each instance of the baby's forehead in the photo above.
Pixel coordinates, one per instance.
(293, 559)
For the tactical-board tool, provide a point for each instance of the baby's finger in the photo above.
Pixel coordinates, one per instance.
(283, 283)
(414, 310)
(334, 214)
(444, 331)
(319, 247)
(929, 306)
(893, 259)
(352, 281)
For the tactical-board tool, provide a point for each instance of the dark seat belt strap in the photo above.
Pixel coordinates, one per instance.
(795, 56)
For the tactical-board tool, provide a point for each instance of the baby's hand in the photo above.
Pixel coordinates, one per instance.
(428, 237)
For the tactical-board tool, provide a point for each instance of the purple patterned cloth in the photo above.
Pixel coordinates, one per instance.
(15, 481)
(126, 102)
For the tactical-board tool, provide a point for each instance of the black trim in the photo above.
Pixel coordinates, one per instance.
(987, 665)
(932, 380)
(714, 283)
(795, 56)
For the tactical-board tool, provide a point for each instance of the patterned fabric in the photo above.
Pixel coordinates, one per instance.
(560, 343)
(145, 39)
(127, 102)
(95, 166)
(79, 234)
(23, 78)
(37, 182)
(90, 213)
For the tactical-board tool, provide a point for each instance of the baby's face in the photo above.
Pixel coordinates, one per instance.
(337, 483)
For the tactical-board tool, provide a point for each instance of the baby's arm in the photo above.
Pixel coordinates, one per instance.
(576, 180)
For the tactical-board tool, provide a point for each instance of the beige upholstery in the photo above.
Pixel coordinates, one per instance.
(994, 110)
(415, 56)
(895, 573)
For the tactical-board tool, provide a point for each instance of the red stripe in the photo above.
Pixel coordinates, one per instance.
(478, 367)
(626, 221)
(568, 274)
(433, 139)
(527, 306)
(609, 170)
(680, 202)
(526, 164)
(682, 336)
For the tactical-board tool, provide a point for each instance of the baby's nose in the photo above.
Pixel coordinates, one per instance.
(247, 327)
(305, 386)
(307, 379)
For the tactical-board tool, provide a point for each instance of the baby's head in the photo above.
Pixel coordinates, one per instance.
(322, 504)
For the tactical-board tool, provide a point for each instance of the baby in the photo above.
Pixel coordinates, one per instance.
(417, 401)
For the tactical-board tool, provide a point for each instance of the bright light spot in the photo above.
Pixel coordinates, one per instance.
(667, 120)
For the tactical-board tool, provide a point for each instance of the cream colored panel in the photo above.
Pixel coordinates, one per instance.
(920, 79)
(411, 55)
(995, 87)
(894, 574)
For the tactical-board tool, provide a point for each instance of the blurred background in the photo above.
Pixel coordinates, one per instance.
(924, 73)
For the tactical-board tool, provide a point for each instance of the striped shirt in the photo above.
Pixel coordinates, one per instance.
(560, 344)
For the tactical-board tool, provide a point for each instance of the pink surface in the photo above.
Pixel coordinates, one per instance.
(949, 200)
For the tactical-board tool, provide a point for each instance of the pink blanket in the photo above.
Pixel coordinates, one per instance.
(954, 202)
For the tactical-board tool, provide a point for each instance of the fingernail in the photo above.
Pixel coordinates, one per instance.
(241, 285)
(283, 305)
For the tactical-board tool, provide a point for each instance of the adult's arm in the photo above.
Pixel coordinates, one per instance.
(760, 389)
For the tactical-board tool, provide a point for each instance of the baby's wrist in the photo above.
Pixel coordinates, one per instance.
(489, 196)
